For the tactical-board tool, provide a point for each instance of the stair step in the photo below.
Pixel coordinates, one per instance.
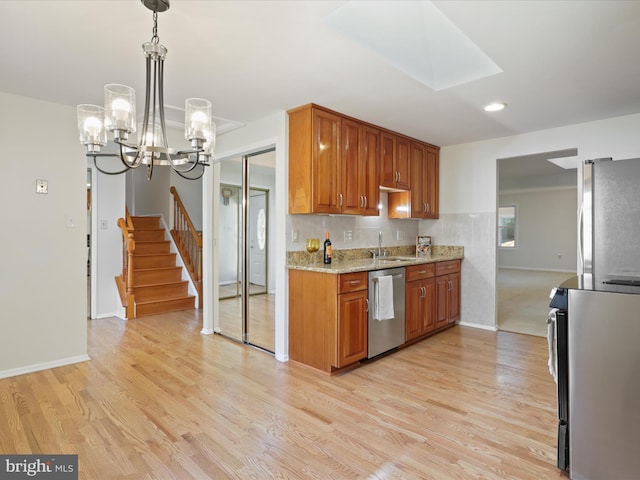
(153, 276)
(166, 305)
(155, 260)
(146, 293)
(154, 235)
(143, 248)
(145, 223)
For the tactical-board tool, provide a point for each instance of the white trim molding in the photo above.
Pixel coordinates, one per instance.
(43, 366)
(492, 328)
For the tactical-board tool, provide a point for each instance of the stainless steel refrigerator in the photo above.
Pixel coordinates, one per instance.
(598, 348)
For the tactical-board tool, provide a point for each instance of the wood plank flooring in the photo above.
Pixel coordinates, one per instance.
(261, 327)
(159, 400)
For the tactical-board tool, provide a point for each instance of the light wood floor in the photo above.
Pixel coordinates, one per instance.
(523, 299)
(159, 400)
(261, 324)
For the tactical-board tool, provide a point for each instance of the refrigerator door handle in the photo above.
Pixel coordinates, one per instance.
(581, 240)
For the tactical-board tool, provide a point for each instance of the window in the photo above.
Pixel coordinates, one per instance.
(507, 226)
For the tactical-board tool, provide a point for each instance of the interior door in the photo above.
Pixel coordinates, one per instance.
(258, 240)
(246, 308)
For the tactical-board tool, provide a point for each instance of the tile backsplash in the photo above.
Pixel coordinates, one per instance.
(348, 232)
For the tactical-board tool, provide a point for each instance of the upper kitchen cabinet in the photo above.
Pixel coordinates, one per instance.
(314, 161)
(421, 201)
(394, 161)
(333, 163)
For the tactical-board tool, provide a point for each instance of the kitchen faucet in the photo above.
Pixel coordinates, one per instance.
(379, 252)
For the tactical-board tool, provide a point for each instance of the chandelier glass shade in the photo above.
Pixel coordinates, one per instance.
(150, 148)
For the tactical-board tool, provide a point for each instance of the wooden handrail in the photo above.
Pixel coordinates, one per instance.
(125, 282)
(129, 220)
(188, 240)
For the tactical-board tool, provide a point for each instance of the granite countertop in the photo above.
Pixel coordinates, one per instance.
(355, 261)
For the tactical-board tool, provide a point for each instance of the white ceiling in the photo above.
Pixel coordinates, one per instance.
(562, 62)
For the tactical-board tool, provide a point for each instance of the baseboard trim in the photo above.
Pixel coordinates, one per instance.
(481, 326)
(36, 367)
(206, 331)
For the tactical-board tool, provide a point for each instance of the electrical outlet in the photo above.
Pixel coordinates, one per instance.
(294, 236)
(42, 186)
(399, 235)
(348, 236)
(104, 225)
(69, 221)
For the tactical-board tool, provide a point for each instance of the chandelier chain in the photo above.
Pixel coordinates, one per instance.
(154, 38)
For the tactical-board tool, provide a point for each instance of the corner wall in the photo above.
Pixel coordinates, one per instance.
(44, 269)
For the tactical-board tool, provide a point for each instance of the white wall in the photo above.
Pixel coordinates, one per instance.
(108, 206)
(546, 230)
(151, 197)
(468, 196)
(44, 270)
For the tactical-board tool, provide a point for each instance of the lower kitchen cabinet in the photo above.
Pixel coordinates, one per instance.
(352, 328)
(447, 292)
(420, 301)
(328, 319)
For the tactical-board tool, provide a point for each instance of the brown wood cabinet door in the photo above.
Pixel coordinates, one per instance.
(454, 297)
(387, 159)
(442, 300)
(326, 157)
(417, 183)
(370, 165)
(352, 328)
(431, 194)
(413, 310)
(403, 156)
(351, 166)
(428, 313)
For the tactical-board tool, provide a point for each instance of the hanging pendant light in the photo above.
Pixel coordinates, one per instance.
(118, 116)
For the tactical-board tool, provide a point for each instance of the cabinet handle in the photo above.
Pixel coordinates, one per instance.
(366, 201)
(424, 292)
(367, 308)
(450, 285)
(354, 282)
(340, 197)
(424, 207)
(397, 176)
(428, 208)
(421, 272)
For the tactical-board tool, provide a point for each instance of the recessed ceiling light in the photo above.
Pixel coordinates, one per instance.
(495, 107)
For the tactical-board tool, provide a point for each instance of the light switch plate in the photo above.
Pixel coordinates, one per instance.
(348, 236)
(42, 186)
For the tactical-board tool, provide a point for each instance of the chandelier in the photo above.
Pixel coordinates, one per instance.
(118, 116)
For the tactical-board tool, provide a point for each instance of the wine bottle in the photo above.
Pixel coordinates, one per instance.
(327, 250)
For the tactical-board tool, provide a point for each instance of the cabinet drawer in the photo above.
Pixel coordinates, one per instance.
(451, 266)
(352, 282)
(418, 272)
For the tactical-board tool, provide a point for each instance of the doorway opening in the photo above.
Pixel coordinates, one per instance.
(245, 231)
(537, 236)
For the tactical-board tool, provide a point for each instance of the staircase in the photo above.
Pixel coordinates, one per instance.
(157, 283)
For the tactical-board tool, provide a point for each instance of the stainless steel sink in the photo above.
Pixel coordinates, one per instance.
(393, 259)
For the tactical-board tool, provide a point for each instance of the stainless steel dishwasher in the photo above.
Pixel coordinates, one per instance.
(386, 334)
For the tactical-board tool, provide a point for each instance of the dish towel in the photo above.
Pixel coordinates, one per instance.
(384, 298)
(551, 339)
